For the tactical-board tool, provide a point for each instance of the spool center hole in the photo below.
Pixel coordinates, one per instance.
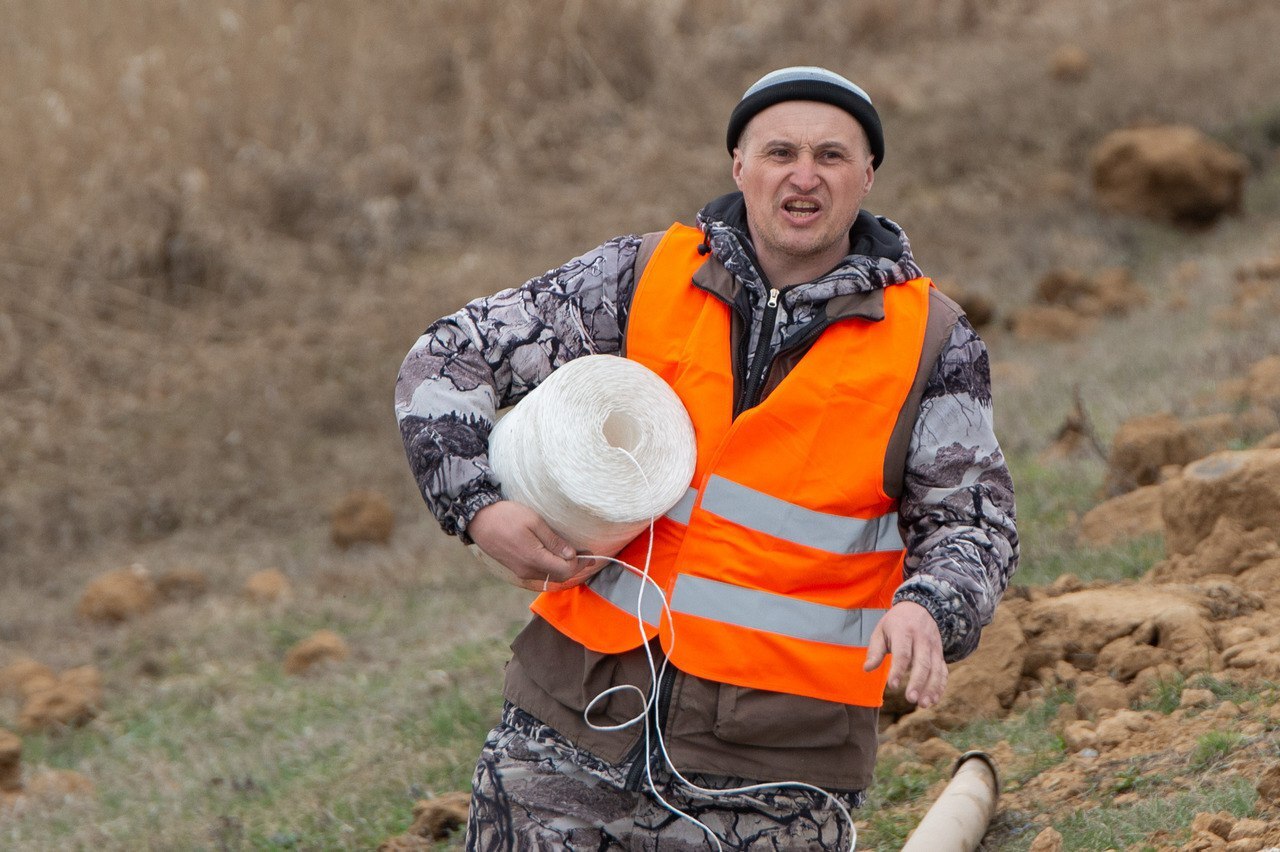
(621, 431)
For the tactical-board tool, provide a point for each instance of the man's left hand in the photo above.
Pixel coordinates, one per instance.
(910, 634)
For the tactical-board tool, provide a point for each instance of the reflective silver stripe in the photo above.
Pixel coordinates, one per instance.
(681, 511)
(774, 613)
(833, 533)
(621, 588)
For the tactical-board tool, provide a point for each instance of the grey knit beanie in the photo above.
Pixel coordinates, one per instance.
(808, 83)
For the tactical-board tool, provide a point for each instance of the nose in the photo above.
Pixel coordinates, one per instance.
(804, 173)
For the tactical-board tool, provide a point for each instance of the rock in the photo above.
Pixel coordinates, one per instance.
(1090, 618)
(433, 820)
(72, 701)
(1174, 174)
(1192, 698)
(25, 676)
(1079, 736)
(319, 647)
(1122, 659)
(362, 517)
(1247, 828)
(1104, 694)
(937, 751)
(1269, 786)
(1120, 727)
(1143, 446)
(182, 584)
(1147, 681)
(1123, 518)
(1035, 323)
(118, 595)
(436, 818)
(1069, 63)
(1263, 382)
(1111, 291)
(1064, 584)
(267, 586)
(1048, 840)
(1241, 486)
(1218, 824)
(10, 762)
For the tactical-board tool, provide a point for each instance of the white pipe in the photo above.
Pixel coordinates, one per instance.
(959, 818)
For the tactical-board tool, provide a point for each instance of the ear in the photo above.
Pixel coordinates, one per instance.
(870, 179)
(737, 167)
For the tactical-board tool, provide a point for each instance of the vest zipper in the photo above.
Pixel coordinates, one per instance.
(759, 364)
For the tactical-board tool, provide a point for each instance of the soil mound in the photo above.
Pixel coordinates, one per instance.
(1069, 63)
(362, 517)
(182, 584)
(24, 677)
(72, 701)
(1111, 291)
(1143, 446)
(978, 308)
(1171, 173)
(1238, 488)
(433, 820)
(322, 646)
(118, 595)
(1048, 323)
(1122, 518)
(267, 586)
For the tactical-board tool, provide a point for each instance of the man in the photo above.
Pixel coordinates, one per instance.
(850, 500)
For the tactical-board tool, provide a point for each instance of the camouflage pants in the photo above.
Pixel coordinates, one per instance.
(533, 790)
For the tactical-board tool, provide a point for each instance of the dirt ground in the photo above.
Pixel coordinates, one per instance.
(224, 225)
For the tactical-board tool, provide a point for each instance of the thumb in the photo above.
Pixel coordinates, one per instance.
(875, 650)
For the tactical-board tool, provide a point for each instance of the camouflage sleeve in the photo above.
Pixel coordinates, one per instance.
(488, 356)
(957, 510)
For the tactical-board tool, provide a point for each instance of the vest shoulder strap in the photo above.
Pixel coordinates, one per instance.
(943, 316)
(648, 245)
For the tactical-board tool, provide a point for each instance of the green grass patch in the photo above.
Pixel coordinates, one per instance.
(1213, 747)
(1165, 695)
(1100, 827)
(1051, 499)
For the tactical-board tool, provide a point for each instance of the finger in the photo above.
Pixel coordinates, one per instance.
(922, 669)
(936, 686)
(875, 650)
(903, 653)
(553, 543)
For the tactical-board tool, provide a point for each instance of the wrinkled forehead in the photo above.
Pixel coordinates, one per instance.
(804, 123)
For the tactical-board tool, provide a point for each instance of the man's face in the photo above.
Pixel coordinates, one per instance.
(803, 168)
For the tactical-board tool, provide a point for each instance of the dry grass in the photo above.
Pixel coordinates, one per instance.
(224, 224)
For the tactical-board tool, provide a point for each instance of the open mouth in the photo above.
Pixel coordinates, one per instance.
(801, 209)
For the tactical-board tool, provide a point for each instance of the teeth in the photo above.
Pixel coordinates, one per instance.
(802, 207)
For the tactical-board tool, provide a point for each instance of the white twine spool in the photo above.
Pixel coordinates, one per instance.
(598, 449)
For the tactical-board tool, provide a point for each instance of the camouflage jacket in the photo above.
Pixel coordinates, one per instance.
(957, 507)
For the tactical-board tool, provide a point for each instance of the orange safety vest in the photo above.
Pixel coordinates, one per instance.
(785, 552)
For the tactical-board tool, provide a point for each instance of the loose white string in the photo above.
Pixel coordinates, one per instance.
(650, 706)
(601, 449)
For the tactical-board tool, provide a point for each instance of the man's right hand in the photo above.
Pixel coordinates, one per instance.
(535, 556)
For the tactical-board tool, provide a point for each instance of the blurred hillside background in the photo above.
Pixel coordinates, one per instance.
(223, 225)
